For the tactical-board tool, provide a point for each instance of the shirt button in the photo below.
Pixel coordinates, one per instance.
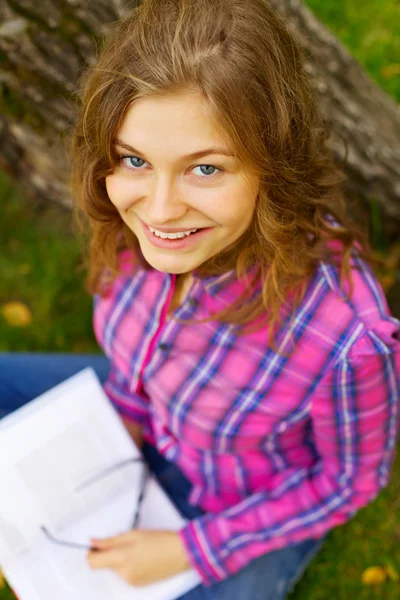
(163, 347)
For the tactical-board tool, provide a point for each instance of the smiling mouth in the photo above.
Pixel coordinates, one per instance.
(171, 236)
(164, 241)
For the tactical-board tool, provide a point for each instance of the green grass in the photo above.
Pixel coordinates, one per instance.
(40, 266)
(370, 31)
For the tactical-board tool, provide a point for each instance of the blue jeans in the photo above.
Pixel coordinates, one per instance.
(269, 577)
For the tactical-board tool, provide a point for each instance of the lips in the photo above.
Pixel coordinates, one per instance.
(172, 230)
(177, 243)
(178, 238)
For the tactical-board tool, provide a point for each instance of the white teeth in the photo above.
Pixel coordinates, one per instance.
(171, 236)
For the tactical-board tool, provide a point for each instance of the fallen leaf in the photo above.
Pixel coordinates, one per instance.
(16, 314)
(392, 258)
(392, 573)
(374, 576)
(2, 581)
(387, 281)
(390, 71)
(25, 269)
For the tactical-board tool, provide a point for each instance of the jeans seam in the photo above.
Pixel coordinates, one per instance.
(303, 566)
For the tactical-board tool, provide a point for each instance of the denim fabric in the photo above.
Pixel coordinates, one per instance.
(24, 376)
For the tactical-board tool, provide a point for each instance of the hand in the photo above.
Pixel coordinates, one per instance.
(140, 557)
(135, 430)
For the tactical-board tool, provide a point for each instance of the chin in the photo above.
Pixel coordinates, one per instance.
(176, 271)
(174, 265)
(163, 268)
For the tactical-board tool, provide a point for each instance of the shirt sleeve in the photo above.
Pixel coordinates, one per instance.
(354, 413)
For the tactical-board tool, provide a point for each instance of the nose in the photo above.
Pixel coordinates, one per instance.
(164, 204)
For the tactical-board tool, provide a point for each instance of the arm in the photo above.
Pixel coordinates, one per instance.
(132, 407)
(135, 430)
(354, 412)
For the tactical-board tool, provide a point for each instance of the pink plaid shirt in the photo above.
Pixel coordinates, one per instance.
(278, 449)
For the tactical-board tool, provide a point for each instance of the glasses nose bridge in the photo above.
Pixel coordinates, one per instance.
(98, 476)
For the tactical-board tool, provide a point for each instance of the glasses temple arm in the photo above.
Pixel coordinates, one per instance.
(105, 472)
(64, 543)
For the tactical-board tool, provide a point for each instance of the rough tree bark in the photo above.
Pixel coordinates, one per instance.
(43, 46)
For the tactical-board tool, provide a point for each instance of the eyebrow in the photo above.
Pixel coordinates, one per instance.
(186, 157)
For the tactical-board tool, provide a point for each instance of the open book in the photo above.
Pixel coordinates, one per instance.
(47, 449)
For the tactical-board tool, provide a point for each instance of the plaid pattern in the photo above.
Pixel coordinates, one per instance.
(278, 449)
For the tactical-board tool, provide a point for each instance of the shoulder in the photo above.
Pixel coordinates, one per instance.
(118, 293)
(360, 325)
(110, 282)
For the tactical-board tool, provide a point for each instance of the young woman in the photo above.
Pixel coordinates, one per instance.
(249, 348)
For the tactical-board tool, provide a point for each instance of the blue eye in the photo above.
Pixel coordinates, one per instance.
(132, 162)
(205, 170)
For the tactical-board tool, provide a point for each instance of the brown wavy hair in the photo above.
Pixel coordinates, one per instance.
(240, 56)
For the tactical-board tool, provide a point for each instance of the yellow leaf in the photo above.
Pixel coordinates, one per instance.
(387, 281)
(2, 581)
(373, 576)
(392, 70)
(391, 257)
(392, 573)
(25, 269)
(16, 314)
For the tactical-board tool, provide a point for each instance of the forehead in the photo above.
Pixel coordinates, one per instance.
(179, 124)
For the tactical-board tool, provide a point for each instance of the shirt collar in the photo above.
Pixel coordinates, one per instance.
(216, 284)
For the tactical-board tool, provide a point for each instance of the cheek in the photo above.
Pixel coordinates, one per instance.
(245, 203)
(238, 213)
(111, 187)
(118, 192)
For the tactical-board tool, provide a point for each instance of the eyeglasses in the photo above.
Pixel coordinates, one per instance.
(88, 482)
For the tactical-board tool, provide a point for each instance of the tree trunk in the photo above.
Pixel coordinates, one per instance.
(43, 46)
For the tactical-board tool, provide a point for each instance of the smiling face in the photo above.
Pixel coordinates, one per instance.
(158, 182)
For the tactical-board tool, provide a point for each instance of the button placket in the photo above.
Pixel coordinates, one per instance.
(148, 365)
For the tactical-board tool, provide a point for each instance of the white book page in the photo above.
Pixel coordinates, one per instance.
(48, 448)
(51, 571)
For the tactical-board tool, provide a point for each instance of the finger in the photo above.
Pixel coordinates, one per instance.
(116, 540)
(104, 559)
